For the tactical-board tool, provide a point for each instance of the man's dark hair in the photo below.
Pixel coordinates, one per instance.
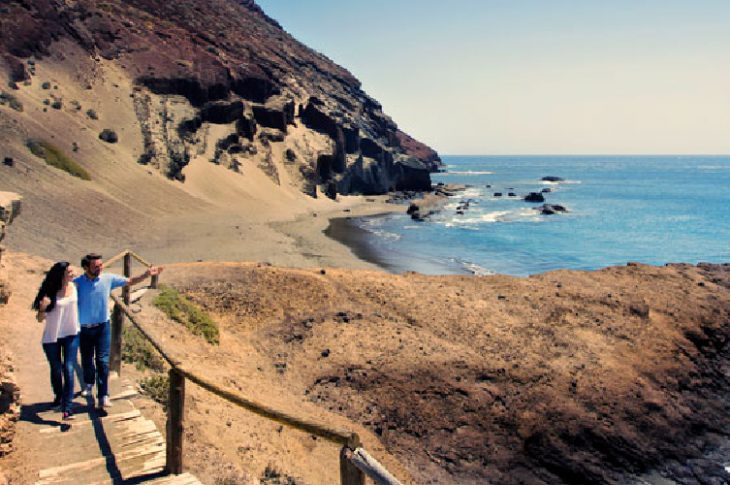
(86, 260)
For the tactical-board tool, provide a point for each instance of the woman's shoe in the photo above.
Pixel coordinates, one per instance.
(68, 416)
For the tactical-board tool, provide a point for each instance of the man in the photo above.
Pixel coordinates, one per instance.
(94, 289)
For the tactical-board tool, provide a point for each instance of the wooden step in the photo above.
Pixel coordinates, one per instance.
(110, 447)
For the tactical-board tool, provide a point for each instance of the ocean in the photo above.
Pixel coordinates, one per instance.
(649, 209)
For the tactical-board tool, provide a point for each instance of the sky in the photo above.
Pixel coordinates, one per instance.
(534, 76)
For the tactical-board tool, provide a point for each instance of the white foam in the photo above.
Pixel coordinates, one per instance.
(467, 172)
(712, 167)
(566, 182)
(475, 218)
(475, 269)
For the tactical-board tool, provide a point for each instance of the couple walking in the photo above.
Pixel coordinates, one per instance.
(76, 314)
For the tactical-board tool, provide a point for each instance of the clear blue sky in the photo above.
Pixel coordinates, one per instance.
(534, 76)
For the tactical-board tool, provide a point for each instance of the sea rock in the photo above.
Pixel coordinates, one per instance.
(546, 190)
(552, 178)
(549, 209)
(498, 194)
(534, 197)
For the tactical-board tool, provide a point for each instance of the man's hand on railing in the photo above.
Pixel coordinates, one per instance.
(151, 271)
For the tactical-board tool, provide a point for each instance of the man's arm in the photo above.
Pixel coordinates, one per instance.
(151, 271)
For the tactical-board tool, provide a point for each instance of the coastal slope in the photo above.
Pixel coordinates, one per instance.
(566, 377)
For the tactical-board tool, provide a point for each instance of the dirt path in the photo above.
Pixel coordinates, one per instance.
(22, 336)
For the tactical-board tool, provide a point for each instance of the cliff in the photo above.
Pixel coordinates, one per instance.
(221, 74)
(9, 392)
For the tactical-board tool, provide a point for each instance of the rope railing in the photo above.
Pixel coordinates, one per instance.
(355, 462)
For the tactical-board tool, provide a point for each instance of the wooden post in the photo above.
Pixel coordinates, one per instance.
(154, 281)
(349, 473)
(127, 274)
(175, 428)
(115, 353)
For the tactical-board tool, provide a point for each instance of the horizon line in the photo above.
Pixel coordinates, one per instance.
(584, 154)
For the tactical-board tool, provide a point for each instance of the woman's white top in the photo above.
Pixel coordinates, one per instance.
(63, 320)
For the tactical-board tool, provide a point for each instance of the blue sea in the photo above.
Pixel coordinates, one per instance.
(650, 209)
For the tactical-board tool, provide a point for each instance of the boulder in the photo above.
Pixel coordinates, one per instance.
(548, 209)
(534, 197)
(109, 136)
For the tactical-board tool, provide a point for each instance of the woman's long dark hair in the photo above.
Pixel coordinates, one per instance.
(51, 285)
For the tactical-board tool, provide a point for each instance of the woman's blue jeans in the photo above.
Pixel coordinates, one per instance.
(61, 356)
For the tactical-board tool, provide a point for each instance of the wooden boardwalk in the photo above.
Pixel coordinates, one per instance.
(118, 446)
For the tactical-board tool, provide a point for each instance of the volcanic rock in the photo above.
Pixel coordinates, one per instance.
(534, 197)
(224, 61)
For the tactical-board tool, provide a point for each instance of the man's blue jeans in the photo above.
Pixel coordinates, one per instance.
(61, 356)
(95, 344)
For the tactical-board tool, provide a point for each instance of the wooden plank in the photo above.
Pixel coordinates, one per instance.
(175, 425)
(112, 418)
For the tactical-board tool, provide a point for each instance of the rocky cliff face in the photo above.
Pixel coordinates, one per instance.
(223, 66)
(9, 392)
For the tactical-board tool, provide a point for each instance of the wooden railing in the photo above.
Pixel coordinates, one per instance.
(355, 461)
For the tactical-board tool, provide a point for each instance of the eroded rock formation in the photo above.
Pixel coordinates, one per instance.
(223, 62)
(9, 391)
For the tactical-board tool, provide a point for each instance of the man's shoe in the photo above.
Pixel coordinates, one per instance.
(105, 402)
(86, 391)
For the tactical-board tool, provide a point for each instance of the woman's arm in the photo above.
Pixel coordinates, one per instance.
(42, 305)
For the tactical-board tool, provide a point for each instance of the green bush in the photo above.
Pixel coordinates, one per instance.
(183, 311)
(139, 351)
(56, 158)
(156, 387)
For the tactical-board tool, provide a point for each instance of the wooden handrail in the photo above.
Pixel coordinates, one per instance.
(371, 467)
(165, 355)
(339, 436)
(355, 462)
(139, 258)
(115, 259)
(330, 433)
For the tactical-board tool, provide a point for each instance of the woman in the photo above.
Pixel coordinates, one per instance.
(56, 303)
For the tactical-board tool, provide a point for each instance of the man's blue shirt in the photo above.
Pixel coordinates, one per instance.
(94, 296)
